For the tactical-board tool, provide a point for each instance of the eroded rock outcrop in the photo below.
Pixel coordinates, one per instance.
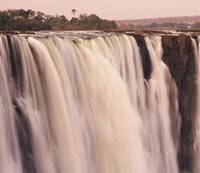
(178, 54)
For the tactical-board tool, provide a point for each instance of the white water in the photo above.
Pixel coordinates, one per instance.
(196, 47)
(159, 109)
(155, 114)
(87, 105)
(9, 150)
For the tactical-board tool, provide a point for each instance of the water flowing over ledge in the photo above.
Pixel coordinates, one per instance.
(99, 103)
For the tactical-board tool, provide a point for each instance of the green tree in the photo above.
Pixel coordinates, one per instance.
(74, 12)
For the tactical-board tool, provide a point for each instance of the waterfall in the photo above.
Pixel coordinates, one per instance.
(161, 91)
(9, 147)
(74, 105)
(196, 47)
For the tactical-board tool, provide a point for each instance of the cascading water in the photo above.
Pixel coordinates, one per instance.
(69, 105)
(9, 149)
(196, 47)
(161, 87)
(153, 104)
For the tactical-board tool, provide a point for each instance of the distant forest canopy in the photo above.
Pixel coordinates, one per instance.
(29, 20)
(159, 26)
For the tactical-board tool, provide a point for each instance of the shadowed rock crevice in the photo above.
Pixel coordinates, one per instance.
(24, 138)
(146, 62)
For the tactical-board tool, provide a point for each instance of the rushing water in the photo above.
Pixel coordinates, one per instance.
(72, 105)
(196, 47)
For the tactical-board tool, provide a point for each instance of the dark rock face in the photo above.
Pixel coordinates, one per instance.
(25, 142)
(178, 55)
(146, 62)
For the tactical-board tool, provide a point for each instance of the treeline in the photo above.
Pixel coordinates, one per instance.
(152, 26)
(29, 20)
(91, 22)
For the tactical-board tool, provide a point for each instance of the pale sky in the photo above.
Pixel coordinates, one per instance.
(109, 9)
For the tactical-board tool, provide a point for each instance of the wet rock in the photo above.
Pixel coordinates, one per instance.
(179, 56)
(146, 62)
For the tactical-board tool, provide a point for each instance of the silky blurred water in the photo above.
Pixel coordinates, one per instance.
(79, 103)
